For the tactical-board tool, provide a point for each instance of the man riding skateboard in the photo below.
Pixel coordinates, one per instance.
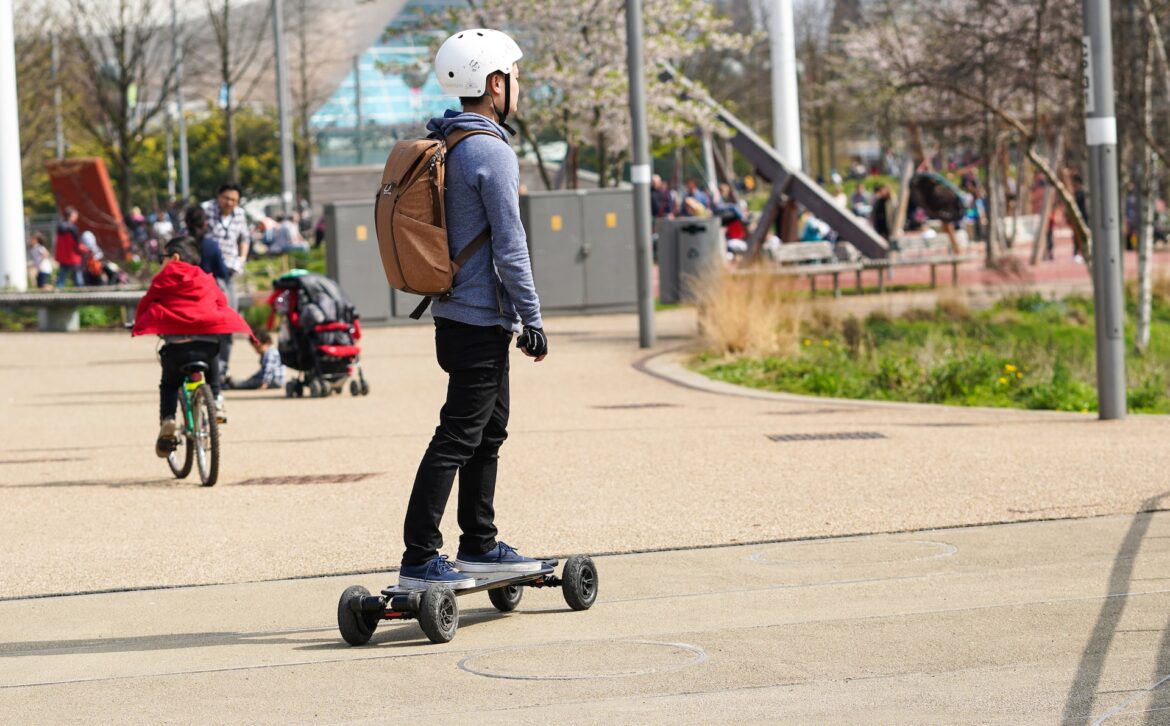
(493, 298)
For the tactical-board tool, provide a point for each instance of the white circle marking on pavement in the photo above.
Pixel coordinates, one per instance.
(854, 551)
(674, 656)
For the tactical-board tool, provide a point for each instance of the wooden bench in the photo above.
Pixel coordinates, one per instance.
(933, 250)
(810, 259)
(59, 311)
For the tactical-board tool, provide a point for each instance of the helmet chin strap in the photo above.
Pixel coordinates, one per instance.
(503, 117)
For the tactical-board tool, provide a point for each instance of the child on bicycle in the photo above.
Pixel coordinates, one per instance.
(188, 311)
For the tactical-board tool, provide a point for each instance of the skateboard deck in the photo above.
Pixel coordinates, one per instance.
(435, 606)
(485, 581)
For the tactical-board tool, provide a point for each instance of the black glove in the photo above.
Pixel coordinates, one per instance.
(532, 341)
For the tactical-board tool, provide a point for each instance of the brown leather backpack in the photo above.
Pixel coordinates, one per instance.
(411, 222)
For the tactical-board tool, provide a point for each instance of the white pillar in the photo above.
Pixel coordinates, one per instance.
(785, 99)
(13, 263)
(287, 169)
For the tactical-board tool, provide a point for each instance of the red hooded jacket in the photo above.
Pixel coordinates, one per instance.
(184, 300)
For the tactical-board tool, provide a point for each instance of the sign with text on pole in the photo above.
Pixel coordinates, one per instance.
(1101, 140)
(1086, 72)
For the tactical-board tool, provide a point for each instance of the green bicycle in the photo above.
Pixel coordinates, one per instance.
(198, 435)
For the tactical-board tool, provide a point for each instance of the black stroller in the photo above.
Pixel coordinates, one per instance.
(319, 334)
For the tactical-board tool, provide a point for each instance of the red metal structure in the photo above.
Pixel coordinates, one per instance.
(84, 185)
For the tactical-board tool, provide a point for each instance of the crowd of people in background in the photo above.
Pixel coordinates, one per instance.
(73, 256)
(873, 200)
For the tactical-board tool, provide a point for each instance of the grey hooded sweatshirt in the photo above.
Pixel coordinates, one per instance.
(483, 188)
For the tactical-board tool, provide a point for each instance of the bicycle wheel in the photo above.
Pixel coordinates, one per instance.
(183, 456)
(206, 436)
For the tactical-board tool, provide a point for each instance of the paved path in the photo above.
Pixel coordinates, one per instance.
(1007, 624)
(794, 615)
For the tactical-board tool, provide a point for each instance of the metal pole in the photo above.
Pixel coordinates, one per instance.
(55, 63)
(640, 172)
(287, 168)
(177, 55)
(1101, 138)
(359, 124)
(785, 101)
(13, 263)
(170, 156)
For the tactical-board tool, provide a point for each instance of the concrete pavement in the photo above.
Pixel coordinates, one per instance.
(612, 450)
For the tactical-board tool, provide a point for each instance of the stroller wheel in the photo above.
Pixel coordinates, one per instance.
(290, 389)
(365, 388)
(354, 389)
(316, 389)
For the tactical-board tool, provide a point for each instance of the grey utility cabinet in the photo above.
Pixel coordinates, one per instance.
(581, 243)
(687, 247)
(582, 247)
(353, 261)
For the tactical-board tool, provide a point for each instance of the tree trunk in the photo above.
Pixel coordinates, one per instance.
(526, 134)
(602, 159)
(1009, 209)
(831, 123)
(571, 161)
(1146, 233)
(995, 202)
(1045, 227)
(819, 135)
(126, 180)
(229, 127)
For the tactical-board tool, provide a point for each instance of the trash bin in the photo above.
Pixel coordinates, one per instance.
(687, 246)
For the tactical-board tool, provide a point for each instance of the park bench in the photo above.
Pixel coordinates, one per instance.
(921, 250)
(811, 259)
(58, 311)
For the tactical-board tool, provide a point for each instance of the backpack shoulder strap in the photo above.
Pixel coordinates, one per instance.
(471, 248)
(456, 137)
(459, 261)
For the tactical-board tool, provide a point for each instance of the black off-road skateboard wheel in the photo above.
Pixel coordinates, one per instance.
(506, 598)
(357, 626)
(579, 584)
(438, 614)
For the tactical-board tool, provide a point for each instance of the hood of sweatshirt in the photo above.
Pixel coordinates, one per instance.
(462, 121)
(185, 300)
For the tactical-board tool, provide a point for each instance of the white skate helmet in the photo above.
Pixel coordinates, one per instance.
(467, 58)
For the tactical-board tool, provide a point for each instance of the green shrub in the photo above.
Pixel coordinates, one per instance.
(1024, 352)
(95, 316)
(257, 314)
(1148, 394)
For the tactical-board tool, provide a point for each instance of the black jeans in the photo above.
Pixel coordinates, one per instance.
(472, 426)
(176, 355)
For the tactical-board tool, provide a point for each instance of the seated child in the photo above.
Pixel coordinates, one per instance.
(271, 373)
(188, 310)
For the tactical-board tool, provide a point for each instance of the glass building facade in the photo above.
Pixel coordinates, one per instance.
(389, 95)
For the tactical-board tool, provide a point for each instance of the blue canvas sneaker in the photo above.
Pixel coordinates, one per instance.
(436, 572)
(500, 559)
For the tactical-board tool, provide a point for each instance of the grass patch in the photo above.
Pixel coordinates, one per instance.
(261, 271)
(15, 320)
(100, 317)
(1024, 352)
